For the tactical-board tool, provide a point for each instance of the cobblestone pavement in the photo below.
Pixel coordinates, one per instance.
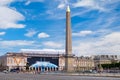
(25, 76)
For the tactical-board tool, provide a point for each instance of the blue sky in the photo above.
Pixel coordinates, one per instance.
(40, 25)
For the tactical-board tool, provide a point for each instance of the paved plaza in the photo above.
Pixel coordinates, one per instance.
(26, 76)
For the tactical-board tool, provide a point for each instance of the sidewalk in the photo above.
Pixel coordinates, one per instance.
(87, 74)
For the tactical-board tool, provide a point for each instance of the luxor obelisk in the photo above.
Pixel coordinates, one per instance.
(68, 56)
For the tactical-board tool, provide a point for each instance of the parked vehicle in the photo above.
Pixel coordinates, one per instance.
(14, 70)
(5, 71)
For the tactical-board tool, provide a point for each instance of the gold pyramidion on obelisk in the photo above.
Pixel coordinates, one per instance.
(69, 56)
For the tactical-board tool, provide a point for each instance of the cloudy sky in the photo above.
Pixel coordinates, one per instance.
(40, 24)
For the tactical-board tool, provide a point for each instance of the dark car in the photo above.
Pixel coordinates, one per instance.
(14, 70)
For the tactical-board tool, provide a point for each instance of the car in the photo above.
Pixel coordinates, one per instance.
(94, 71)
(5, 71)
(14, 70)
(88, 71)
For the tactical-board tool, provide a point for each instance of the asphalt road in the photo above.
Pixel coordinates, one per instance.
(25, 76)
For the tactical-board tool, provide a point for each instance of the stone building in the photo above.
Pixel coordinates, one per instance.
(13, 60)
(84, 63)
(105, 59)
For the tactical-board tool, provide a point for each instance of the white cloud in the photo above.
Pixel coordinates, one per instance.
(16, 43)
(82, 33)
(106, 6)
(2, 33)
(30, 33)
(109, 44)
(42, 50)
(61, 6)
(83, 3)
(102, 21)
(112, 38)
(5, 2)
(52, 44)
(30, 1)
(9, 18)
(91, 4)
(43, 35)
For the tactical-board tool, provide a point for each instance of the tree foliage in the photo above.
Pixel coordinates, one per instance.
(111, 66)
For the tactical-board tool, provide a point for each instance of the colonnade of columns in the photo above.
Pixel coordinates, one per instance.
(46, 69)
(43, 69)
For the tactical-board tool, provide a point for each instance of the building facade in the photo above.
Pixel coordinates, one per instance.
(13, 61)
(20, 60)
(105, 59)
(84, 63)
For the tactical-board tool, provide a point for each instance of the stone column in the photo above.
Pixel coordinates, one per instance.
(68, 57)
